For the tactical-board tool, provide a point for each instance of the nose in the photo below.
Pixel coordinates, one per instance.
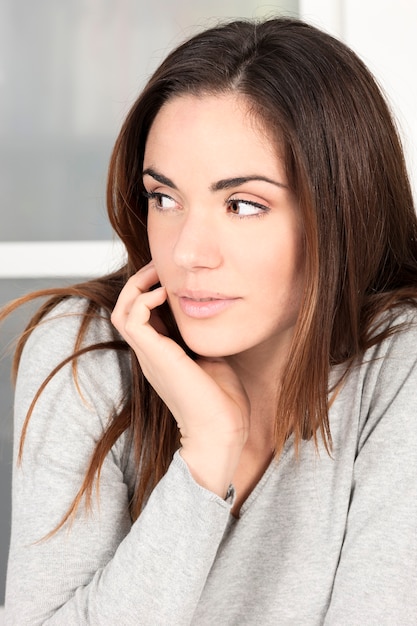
(197, 244)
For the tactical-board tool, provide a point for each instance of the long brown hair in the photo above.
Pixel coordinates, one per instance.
(344, 163)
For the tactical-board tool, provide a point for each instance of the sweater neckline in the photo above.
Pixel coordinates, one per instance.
(274, 464)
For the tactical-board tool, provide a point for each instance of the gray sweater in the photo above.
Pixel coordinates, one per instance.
(320, 540)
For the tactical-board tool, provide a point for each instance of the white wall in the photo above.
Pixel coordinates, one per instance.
(384, 34)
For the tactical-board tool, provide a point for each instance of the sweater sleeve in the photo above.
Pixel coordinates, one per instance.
(101, 568)
(376, 579)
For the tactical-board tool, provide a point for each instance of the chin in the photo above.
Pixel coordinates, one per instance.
(204, 351)
(203, 347)
(210, 339)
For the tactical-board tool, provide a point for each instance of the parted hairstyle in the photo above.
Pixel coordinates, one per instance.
(345, 165)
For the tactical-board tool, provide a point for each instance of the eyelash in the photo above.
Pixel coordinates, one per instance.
(156, 196)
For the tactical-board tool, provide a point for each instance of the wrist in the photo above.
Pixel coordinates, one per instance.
(212, 469)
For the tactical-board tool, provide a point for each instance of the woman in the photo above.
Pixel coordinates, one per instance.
(251, 457)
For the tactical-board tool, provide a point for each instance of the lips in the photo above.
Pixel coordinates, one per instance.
(204, 299)
(203, 304)
(200, 294)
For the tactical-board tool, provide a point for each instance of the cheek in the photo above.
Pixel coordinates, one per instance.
(154, 237)
(160, 247)
(284, 274)
(286, 257)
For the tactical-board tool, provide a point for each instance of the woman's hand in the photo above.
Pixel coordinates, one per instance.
(205, 396)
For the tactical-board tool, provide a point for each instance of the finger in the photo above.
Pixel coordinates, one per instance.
(137, 284)
(142, 307)
(144, 279)
(129, 321)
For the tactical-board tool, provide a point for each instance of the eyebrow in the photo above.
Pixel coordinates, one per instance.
(220, 185)
(164, 180)
(227, 183)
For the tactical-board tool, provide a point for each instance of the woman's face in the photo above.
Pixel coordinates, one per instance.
(224, 229)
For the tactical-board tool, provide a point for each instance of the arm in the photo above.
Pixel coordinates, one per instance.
(376, 580)
(212, 438)
(101, 569)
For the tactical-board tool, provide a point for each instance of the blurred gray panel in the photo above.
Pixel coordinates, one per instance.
(69, 72)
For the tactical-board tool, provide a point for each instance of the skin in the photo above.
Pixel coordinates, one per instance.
(226, 243)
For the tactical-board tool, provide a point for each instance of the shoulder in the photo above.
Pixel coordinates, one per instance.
(401, 324)
(384, 381)
(57, 332)
(396, 351)
(393, 346)
(100, 375)
(62, 324)
(378, 394)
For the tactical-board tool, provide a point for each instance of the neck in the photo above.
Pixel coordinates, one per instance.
(261, 375)
(260, 369)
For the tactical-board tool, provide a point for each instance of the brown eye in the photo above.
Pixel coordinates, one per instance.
(244, 208)
(164, 202)
(161, 201)
(235, 206)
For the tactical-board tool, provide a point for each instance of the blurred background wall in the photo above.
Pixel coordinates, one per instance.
(69, 72)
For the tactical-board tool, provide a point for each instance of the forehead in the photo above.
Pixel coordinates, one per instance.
(222, 126)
